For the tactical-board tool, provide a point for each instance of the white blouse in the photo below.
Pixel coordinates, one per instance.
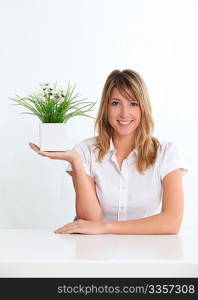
(125, 194)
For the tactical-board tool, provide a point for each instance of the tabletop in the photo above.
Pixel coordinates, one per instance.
(42, 253)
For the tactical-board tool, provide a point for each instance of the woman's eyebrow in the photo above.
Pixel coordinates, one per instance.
(117, 99)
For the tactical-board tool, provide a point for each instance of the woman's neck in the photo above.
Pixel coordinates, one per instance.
(124, 144)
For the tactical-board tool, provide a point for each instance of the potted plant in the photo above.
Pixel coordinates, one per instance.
(54, 107)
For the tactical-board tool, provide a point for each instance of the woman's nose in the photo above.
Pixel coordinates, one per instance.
(124, 112)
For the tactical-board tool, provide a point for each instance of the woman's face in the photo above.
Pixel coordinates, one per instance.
(124, 114)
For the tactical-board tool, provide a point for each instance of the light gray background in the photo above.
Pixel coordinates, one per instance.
(83, 41)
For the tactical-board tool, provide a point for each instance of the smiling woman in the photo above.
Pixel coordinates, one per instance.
(124, 116)
(126, 181)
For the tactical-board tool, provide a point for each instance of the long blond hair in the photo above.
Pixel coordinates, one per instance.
(129, 83)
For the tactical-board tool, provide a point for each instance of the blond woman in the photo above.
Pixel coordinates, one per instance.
(126, 181)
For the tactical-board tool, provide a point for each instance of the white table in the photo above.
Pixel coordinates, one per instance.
(42, 253)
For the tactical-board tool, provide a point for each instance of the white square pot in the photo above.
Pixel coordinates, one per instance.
(53, 136)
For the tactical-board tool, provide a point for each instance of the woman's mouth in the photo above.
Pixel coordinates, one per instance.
(124, 123)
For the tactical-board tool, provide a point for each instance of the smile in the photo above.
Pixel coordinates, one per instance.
(126, 123)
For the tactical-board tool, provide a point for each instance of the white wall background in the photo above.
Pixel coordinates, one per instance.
(83, 41)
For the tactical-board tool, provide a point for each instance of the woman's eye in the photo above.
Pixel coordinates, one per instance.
(134, 104)
(114, 103)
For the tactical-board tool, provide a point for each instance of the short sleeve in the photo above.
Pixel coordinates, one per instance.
(172, 160)
(84, 152)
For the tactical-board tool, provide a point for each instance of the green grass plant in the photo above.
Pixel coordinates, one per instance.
(53, 105)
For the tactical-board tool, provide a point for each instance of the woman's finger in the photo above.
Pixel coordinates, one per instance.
(37, 149)
(65, 227)
(34, 147)
(75, 229)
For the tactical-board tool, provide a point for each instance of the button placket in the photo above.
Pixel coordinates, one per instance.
(123, 192)
(113, 158)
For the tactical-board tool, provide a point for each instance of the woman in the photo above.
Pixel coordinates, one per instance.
(126, 181)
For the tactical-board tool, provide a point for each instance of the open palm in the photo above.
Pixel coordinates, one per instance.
(67, 155)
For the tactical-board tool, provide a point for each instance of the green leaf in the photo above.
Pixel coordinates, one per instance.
(52, 107)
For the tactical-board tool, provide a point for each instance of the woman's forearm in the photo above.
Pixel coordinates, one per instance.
(87, 204)
(156, 224)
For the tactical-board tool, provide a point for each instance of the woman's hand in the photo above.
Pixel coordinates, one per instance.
(69, 155)
(84, 227)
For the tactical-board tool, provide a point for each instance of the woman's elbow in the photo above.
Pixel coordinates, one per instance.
(174, 232)
(176, 229)
(171, 223)
(175, 225)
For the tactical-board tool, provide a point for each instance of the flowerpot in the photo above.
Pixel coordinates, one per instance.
(53, 136)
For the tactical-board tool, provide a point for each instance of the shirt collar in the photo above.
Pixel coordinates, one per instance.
(111, 147)
(112, 150)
